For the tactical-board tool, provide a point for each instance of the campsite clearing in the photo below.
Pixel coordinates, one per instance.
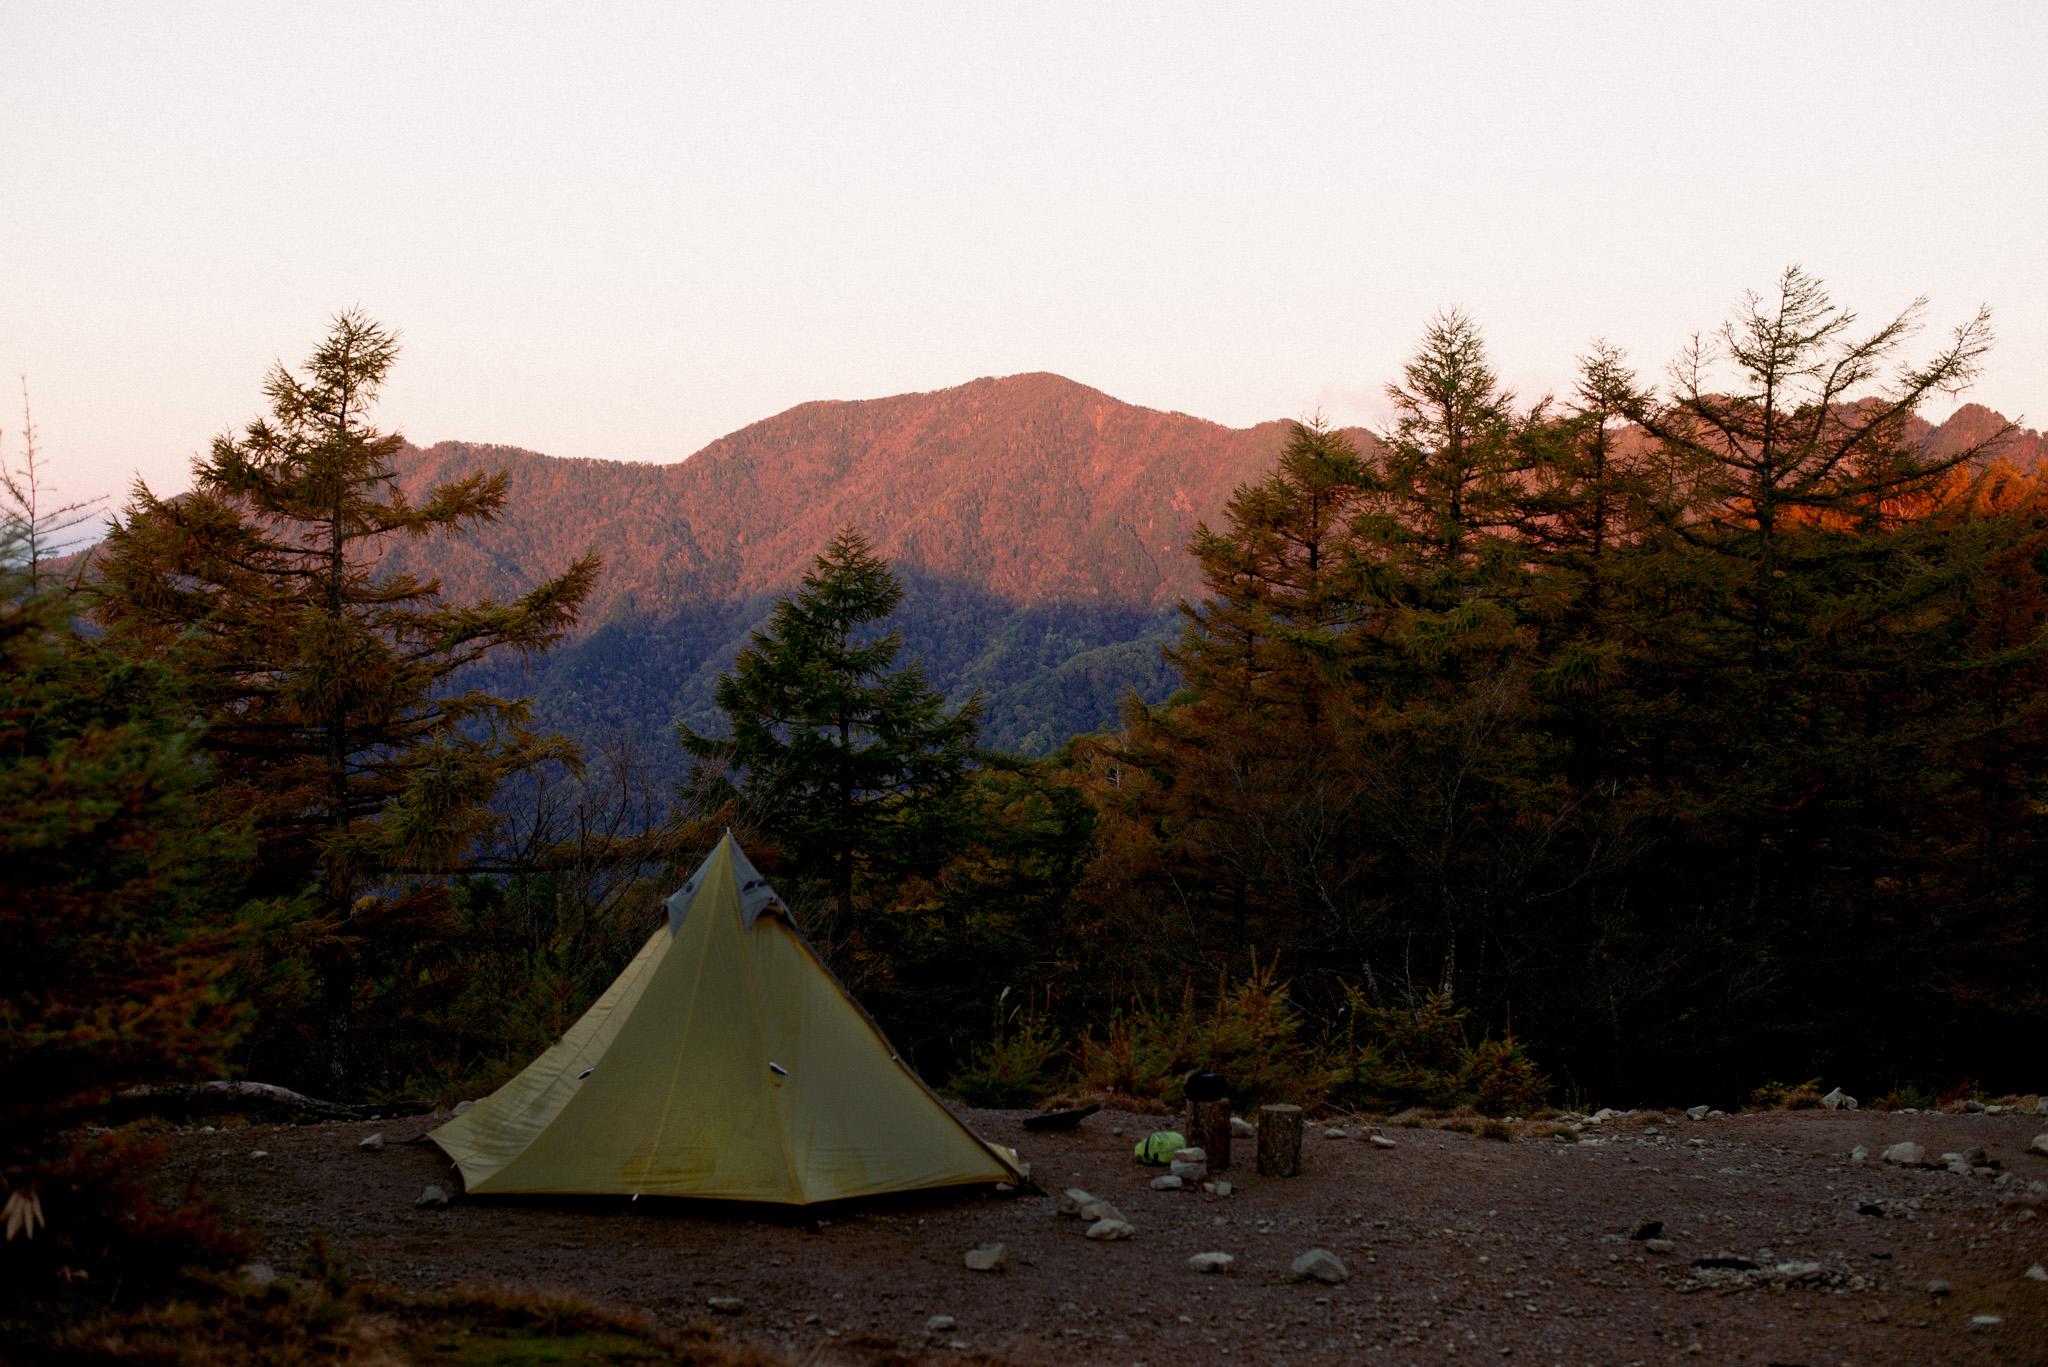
(1457, 1246)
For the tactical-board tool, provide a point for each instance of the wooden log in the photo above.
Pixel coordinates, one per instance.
(1279, 1141)
(1208, 1128)
(213, 1098)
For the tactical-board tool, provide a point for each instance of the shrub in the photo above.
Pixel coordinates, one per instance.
(1398, 1057)
(1019, 1067)
(1251, 1034)
(1501, 1079)
(1782, 1096)
(1494, 1129)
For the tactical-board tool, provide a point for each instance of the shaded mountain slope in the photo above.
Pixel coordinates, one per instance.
(1040, 526)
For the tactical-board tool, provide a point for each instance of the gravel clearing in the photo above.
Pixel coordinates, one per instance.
(1774, 1246)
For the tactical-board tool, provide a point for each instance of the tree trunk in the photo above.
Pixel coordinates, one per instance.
(1279, 1141)
(1208, 1129)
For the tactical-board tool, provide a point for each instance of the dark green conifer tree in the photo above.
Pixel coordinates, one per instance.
(853, 766)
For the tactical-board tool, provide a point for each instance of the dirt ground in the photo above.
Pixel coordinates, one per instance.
(1458, 1246)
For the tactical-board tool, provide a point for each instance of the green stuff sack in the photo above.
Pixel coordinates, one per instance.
(1158, 1147)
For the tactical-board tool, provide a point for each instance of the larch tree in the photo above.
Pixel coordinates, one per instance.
(854, 766)
(331, 691)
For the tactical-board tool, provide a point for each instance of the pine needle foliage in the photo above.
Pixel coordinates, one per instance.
(853, 766)
(331, 690)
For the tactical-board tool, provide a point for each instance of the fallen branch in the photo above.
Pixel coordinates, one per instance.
(214, 1098)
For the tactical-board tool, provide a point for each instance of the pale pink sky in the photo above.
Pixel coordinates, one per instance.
(623, 230)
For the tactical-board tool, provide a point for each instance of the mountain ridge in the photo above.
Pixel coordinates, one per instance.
(1040, 526)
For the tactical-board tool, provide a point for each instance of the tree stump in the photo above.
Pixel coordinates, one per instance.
(1208, 1128)
(1279, 1141)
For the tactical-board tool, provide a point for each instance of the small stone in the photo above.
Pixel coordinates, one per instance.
(1240, 1128)
(1906, 1154)
(1976, 1157)
(259, 1153)
(2039, 1145)
(959, 1345)
(1858, 1154)
(1660, 1246)
(1166, 1183)
(939, 1324)
(1073, 1201)
(1604, 1114)
(1798, 1272)
(2037, 1273)
(1111, 1229)
(1940, 1287)
(1217, 1188)
(462, 1107)
(1696, 1112)
(1319, 1264)
(725, 1305)
(1978, 1322)
(1209, 1263)
(1380, 1141)
(1973, 1107)
(986, 1258)
(1839, 1100)
(1334, 1133)
(432, 1196)
(1098, 1210)
(257, 1274)
(2041, 1105)
(373, 1144)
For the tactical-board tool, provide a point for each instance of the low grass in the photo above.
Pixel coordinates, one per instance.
(297, 1323)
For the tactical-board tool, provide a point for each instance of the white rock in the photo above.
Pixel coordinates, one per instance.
(1697, 1112)
(725, 1305)
(1073, 1201)
(372, 1144)
(1604, 1114)
(1211, 1262)
(1380, 1141)
(2041, 1105)
(1319, 1264)
(462, 1107)
(939, 1324)
(986, 1258)
(1986, 1321)
(1240, 1128)
(1906, 1154)
(1858, 1154)
(259, 1153)
(257, 1274)
(1839, 1100)
(2037, 1273)
(1111, 1229)
(432, 1196)
(1218, 1188)
(1334, 1133)
(1798, 1272)
(1659, 1245)
(1166, 1183)
(1101, 1210)
(2039, 1145)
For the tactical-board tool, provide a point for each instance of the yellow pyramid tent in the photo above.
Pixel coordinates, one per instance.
(726, 1062)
